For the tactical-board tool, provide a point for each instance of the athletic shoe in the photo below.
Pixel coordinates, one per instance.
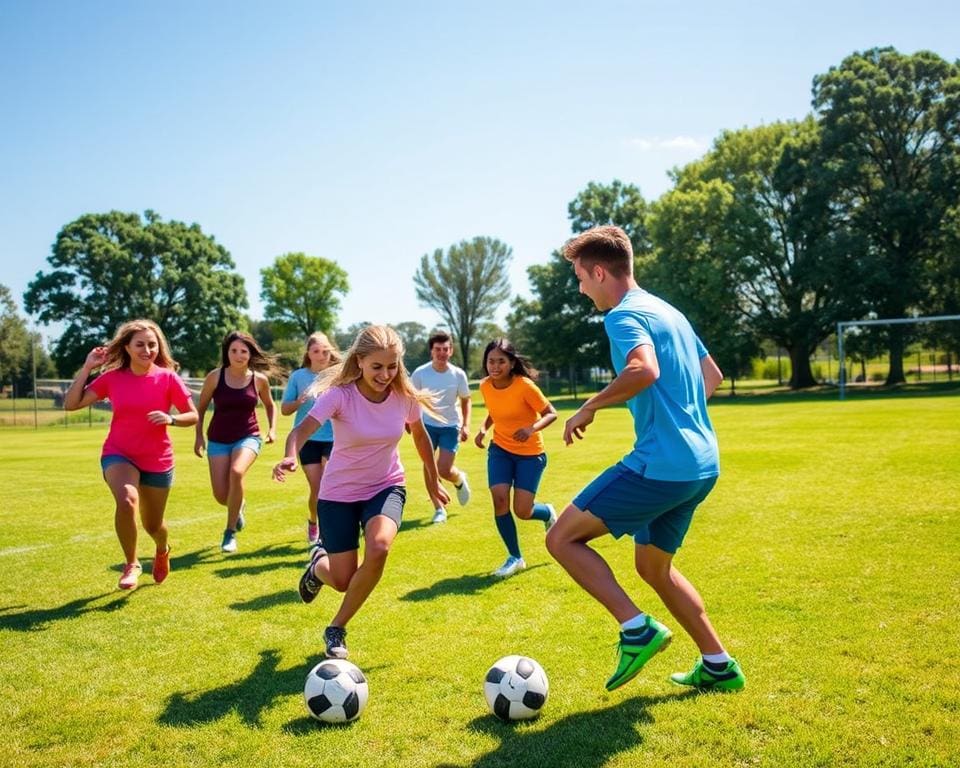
(313, 533)
(730, 678)
(161, 565)
(229, 543)
(548, 524)
(440, 516)
(131, 573)
(510, 566)
(463, 490)
(309, 583)
(336, 640)
(241, 520)
(636, 648)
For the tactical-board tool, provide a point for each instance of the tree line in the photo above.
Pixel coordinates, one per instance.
(777, 233)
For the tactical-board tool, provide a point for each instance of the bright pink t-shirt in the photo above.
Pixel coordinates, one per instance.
(132, 397)
(365, 459)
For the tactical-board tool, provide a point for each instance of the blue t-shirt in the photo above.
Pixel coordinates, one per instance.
(299, 381)
(675, 440)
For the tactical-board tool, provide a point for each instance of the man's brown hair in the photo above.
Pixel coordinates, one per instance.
(607, 246)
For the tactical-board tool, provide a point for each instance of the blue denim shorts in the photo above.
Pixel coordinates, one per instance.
(654, 512)
(506, 468)
(152, 479)
(253, 442)
(447, 438)
(342, 521)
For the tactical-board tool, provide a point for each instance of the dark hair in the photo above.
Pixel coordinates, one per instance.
(521, 366)
(607, 246)
(259, 360)
(438, 337)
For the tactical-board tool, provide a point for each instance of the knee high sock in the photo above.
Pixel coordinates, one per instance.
(507, 528)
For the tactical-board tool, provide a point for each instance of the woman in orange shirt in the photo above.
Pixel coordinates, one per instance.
(517, 410)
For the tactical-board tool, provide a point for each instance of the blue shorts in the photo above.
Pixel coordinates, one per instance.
(445, 438)
(656, 512)
(153, 479)
(253, 442)
(506, 468)
(315, 451)
(341, 521)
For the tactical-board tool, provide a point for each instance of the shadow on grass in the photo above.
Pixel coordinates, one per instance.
(250, 563)
(583, 740)
(263, 602)
(470, 584)
(39, 618)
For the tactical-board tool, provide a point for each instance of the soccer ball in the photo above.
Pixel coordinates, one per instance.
(335, 691)
(516, 688)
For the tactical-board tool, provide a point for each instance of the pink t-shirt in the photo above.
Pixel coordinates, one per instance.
(365, 459)
(132, 397)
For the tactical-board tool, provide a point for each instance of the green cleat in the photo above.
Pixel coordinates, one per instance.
(636, 648)
(730, 679)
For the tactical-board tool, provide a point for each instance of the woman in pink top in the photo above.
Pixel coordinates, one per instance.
(370, 400)
(138, 376)
(234, 433)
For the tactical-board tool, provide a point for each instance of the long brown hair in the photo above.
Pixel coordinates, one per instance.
(259, 360)
(373, 338)
(117, 356)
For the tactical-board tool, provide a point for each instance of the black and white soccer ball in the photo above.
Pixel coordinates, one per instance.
(335, 691)
(516, 688)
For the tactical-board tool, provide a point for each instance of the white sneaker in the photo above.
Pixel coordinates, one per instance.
(463, 491)
(440, 516)
(510, 567)
(548, 524)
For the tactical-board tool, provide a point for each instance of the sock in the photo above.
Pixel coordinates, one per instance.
(507, 529)
(540, 512)
(637, 622)
(716, 662)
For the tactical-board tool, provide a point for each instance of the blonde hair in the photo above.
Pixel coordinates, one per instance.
(117, 355)
(320, 338)
(373, 338)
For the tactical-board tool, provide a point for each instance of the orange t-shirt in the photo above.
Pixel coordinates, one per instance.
(516, 406)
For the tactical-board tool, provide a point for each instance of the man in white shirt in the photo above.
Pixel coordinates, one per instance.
(449, 383)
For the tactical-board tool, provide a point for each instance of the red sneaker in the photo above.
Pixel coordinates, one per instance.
(161, 565)
(131, 573)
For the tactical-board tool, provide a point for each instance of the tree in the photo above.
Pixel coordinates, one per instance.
(414, 337)
(112, 267)
(299, 293)
(891, 131)
(345, 338)
(14, 339)
(465, 286)
(617, 203)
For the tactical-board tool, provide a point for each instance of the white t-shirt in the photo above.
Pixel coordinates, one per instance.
(450, 386)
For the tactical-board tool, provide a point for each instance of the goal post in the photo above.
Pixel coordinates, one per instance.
(842, 326)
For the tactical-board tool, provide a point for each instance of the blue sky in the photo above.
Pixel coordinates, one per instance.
(373, 133)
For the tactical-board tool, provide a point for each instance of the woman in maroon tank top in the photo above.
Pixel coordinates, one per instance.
(234, 432)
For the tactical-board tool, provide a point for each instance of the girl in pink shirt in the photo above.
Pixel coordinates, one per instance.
(369, 399)
(138, 376)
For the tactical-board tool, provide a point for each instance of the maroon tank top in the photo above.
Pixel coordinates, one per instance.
(234, 412)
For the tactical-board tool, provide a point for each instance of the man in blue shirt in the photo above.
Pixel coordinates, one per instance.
(664, 375)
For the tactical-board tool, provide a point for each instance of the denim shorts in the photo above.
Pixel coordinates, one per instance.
(655, 512)
(315, 451)
(253, 442)
(446, 438)
(506, 468)
(152, 479)
(341, 521)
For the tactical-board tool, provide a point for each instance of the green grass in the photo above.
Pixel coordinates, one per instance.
(828, 556)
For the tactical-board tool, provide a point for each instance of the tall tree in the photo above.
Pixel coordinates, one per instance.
(299, 293)
(111, 267)
(616, 203)
(414, 337)
(891, 130)
(14, 338)
(465, 286)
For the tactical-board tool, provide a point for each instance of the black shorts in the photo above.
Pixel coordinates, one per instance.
(315, 451)
(341, 521)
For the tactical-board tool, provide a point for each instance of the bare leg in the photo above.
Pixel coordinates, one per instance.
(123, 481)
(313, 473)
(240, 462)
(153, 503)
(378, 535)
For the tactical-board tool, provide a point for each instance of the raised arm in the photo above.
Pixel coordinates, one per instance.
(76, 396)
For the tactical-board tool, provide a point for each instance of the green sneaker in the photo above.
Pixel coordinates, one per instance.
(730, 679)
(636, 648)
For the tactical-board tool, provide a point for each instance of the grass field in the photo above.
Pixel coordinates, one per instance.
(829, 556)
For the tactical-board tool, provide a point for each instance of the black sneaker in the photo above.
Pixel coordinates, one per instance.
(310, 584)
(336, 640)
